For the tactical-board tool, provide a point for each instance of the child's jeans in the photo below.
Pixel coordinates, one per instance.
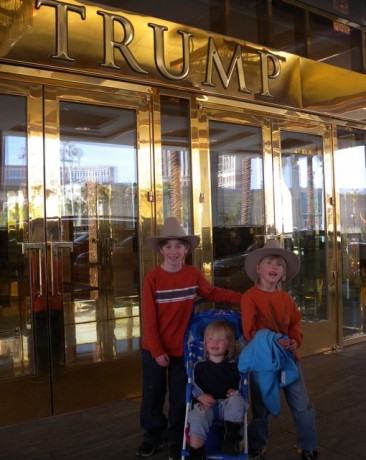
(302, 410)
(157, 428)
(230, 409)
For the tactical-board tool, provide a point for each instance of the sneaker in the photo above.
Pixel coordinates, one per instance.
(256, 454)
(147, 450)
(175, 452)
(309, 455)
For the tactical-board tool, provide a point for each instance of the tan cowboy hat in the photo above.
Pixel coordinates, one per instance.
(172, 230)
(272, 248)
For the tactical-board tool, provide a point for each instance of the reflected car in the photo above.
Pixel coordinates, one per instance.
(234, 262)
(229, 271)
(126, 246)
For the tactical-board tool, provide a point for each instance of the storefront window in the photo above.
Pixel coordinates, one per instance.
(249, 20)
(206, 15)
(288, 28)
(176, 160)
(303, 222)
(237, 200)
(15, 347)
(350, 173)
(335, 43)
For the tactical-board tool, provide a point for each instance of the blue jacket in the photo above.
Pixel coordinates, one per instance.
(274, 365)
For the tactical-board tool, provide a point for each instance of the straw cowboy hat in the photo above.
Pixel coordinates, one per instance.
(272, 248)
(172, 230)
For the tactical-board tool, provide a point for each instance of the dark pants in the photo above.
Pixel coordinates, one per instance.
(156, 426)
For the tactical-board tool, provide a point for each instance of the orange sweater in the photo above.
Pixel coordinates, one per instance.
(275, 310)
(167, 304)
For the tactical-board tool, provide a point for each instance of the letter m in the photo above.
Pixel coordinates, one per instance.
(214, 58)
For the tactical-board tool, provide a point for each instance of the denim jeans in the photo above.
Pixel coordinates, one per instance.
(302, 411)
(230, 409)
(156, 426)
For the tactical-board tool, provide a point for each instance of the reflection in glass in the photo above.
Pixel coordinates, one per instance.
(350, 168)
(303, 223)
(98, 206)
(237, 199)
(289, 28)
(248, 20)
(176, 160)
(335, 43)
(16, 348)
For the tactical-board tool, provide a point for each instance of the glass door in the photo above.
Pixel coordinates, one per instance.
(305, 221)
(273, 180)
(74, 209)
(22, 256)
(350, 169)
(92, 155)
(237, 199)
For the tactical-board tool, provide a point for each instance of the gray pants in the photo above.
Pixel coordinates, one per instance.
(231, 409)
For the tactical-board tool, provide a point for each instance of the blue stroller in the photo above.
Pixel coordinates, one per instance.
(194, 351)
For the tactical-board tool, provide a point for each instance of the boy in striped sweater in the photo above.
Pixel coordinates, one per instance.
(168, 298)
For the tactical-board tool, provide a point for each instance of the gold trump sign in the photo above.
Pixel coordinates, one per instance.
(85, 38)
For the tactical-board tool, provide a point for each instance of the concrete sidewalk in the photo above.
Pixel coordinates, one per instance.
(337, 387)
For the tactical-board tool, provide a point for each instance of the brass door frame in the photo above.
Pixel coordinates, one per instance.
(76, 389)
(27, 396)
(321, 335)
(228, 115)
(79, 380)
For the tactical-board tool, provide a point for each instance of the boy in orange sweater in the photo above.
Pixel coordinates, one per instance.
(168, 298)
(266, 307)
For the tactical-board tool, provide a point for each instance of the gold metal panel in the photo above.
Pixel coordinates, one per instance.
(145, 163)
(337, 255)
(201, 210)
(268, 177)
(201, 181)
(88, 39)
(35, 156)
(157, 160)
(332, 90)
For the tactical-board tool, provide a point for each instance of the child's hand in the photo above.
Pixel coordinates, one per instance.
(284, 343)
(292, 345)
(231, 392)
(288, 344)
(162, 360)
(206, 401)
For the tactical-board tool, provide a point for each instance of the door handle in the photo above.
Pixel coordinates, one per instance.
(62, 244)
(54, 247)
(39, 247)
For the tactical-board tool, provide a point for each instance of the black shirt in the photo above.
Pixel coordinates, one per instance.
(215, 378)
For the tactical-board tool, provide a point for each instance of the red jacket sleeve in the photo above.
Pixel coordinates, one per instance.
(149, 317)
(215, 294)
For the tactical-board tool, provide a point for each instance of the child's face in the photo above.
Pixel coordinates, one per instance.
(271, 270)
(173, 252)
(216, 344)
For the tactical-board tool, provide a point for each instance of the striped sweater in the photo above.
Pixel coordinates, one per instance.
(167, 302)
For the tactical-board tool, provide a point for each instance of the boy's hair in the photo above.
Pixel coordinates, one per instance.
(163, 242)
(229, 331)
(279, 259)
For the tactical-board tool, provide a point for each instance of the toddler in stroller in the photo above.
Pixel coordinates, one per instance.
(216, 414)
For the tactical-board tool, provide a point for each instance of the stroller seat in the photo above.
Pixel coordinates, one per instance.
(194, 351)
